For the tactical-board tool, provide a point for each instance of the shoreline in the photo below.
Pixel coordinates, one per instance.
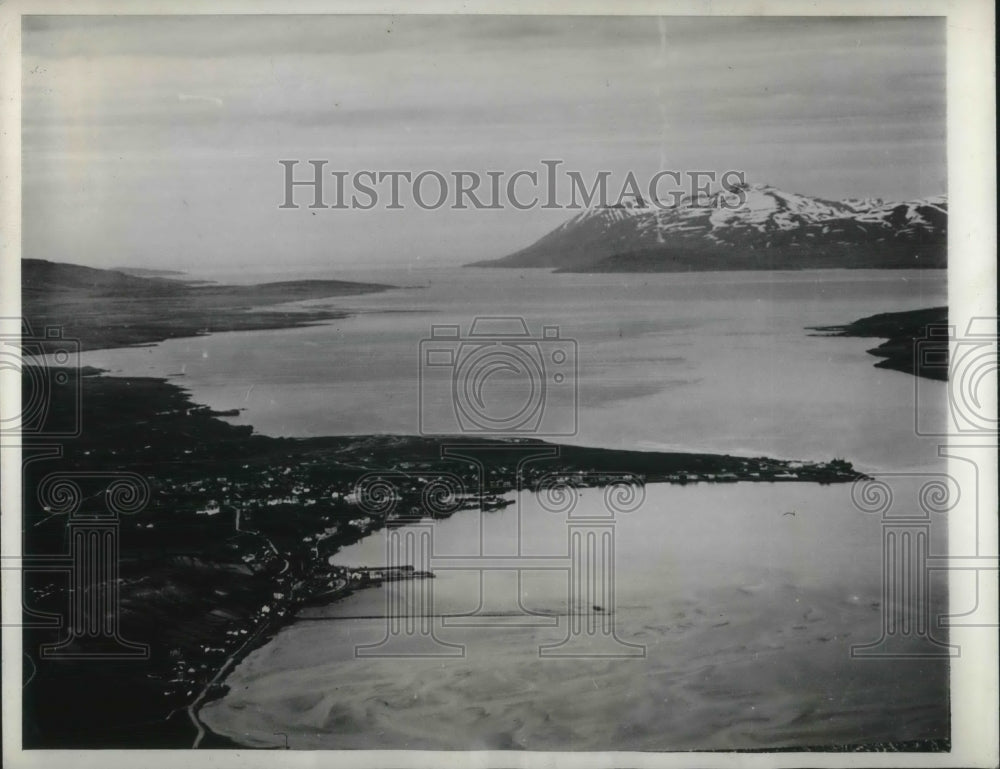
(916, 341)
(305, 682)
(238, 515)
(291, 502)
(133, 310)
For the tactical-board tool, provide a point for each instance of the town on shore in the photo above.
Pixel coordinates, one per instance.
(240, 530)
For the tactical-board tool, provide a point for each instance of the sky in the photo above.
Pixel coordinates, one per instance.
(154, 141)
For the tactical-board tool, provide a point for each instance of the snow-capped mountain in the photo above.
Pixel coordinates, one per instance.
(768, 229)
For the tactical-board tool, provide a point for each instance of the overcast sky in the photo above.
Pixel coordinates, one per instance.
(154, 141)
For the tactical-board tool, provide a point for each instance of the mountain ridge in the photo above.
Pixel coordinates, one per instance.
(769, 229)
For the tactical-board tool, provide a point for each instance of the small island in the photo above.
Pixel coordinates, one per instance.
(916, 340)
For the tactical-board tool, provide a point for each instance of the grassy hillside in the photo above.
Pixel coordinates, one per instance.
(108, 308)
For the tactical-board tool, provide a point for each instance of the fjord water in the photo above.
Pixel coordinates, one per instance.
(717, 362)
(746, 598)
(743, 600)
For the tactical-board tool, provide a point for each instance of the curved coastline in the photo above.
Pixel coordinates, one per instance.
(185, 539)
(186, 544)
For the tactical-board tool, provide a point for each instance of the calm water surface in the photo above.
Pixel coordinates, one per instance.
(746, 598)
(704, 361)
